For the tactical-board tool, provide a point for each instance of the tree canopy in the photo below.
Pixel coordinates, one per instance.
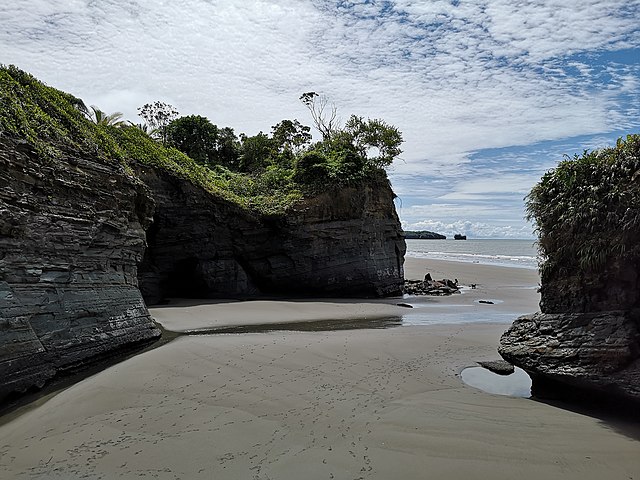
(203, 141)
(99, 117)
(345, 154)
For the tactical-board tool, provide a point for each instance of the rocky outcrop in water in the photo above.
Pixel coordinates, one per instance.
(423, 235)
(346, 242)
(71, 234)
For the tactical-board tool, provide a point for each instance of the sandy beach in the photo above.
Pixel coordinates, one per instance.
(348, 404)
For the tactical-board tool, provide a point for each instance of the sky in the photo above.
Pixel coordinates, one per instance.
(489, 94)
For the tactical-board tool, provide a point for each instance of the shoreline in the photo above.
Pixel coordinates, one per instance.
(370, 403)
(513, 290)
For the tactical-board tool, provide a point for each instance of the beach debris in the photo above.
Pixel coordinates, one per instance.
(431, 287)
(501, 367)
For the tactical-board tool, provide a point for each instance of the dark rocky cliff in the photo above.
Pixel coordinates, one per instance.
(71, 234)
(75, 219)
(346, 242)
(587, 336)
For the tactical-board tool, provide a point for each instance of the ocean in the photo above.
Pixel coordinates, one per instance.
(503, 252)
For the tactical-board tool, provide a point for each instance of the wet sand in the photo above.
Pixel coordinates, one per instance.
(369, 404)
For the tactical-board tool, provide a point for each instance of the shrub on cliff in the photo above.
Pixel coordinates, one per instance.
(332, 163)
(587, 209)
(312, 168)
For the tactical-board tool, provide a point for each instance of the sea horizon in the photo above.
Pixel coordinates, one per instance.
(518, 253)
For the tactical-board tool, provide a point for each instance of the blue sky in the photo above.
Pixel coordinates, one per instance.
(489, 94)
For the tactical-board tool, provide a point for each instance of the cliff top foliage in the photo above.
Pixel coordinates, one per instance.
(587, 209)
(266, 172)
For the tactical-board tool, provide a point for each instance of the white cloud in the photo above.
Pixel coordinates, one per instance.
(472, 229)
(456, 79)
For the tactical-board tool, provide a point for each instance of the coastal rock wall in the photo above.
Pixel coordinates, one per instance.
(346, 242)
(71, 234)
(615, 287)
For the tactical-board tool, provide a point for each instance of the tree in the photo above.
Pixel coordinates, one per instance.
(99, 117)
(324, 115)
(255, 152)
(203, 141)
(158, 115)
(289, 139)
(374, 134)
(227, 147)
(290, 135)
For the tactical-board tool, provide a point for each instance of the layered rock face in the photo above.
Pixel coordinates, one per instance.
(587, 336)
(71, 234)
(347, 243)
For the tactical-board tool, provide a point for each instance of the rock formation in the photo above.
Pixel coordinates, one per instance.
(584, 351)
(430, 287)
(423, 235)
(71, 233)
(346, 242)
(587, 336)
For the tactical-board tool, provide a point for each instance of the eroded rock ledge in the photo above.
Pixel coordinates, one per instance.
(71, 235)
(592, 351)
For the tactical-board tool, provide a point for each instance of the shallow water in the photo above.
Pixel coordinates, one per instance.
(439, 318)
(307, 326)
(428, 311)
(518, 384)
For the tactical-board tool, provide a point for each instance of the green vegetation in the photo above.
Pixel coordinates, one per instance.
(587, 210)
(203, 141)
(99, 117)
(264, 173)
(50, 120)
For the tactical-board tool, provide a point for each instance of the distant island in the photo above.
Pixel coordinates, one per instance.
(458, 236)
(423, 235)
